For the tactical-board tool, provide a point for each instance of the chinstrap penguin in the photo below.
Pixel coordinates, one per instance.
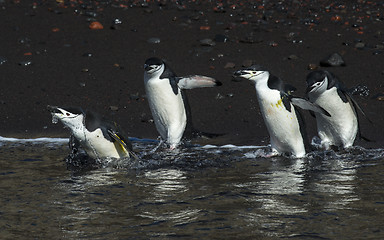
(98, 137)
(341, 129)
(277, 105)
(168, 101)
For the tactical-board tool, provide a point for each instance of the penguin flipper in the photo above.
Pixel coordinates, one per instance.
(307, 105)
(197, 81)
(355, 105)
(122, 141)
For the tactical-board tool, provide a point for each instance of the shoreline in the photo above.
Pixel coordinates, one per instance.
(50, 56)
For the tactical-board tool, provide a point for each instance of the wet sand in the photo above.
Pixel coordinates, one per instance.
(50, 56)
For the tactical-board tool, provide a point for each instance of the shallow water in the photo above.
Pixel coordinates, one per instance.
(203, 193)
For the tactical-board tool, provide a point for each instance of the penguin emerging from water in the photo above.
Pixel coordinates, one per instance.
(341, 129)
(99, 138)
(284, 122)
(168, 101)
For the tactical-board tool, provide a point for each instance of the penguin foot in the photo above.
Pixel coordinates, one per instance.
(161, 142)
(172, 147)
(273, 153)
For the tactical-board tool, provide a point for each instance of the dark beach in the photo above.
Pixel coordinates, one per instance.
(50, 56)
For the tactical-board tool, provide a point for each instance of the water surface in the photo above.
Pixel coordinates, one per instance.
(198, 193)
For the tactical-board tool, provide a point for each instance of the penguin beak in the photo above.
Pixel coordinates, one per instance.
(148, 67)
(53, 109)
(313, 86)
(238, 73)
(309, 88)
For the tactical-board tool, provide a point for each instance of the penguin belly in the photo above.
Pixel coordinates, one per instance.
(167, 110)
(97, 146)
(283, 127)
(341, 128)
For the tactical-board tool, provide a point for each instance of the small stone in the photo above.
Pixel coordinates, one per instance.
(134, 96)
(205, 28)
(334, 60)
(85, 70)
(221, 38)
(229, 65)
(24, 40)
(250, 39)
(379, 97)
(312, 66)
(25, 63)
(82, 84)
(219, 96)
(153, 40)
(90, 14)
(360, 45)
(247, 63)
(117, 21)
(87, 55)
(2, 60)
(273, 44)
(207, 42)
(293, 57)
(116, 65)
(113, 108)
(96, 25)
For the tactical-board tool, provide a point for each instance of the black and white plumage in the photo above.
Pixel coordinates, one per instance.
(168, 101)
(98, 137)
(341, 129)
(277, 105)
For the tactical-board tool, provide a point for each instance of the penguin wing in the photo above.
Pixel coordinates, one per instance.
(355, 105)
(197, 81)
(124, 142)
(307, 105)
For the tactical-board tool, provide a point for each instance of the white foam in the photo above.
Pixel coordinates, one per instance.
(232, 146)
(34, 140)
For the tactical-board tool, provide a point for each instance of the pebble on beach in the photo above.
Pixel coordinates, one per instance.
(96, 26)
(153, 40)
(2, 60)
(333, 60)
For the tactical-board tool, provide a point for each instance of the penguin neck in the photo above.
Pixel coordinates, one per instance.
(313, 96)
(79, 130)
(261, 84)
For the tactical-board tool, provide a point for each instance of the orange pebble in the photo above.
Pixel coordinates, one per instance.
(336, 18)
(205, 28)
(28, 54)
(55, 29)
(95, 26)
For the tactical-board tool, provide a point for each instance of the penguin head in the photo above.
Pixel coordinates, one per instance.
(153, 66)
(254, 73)
(319, 81)
(71, 117)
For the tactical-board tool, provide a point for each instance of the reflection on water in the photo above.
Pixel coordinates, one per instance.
(166, 182)
(206, 193)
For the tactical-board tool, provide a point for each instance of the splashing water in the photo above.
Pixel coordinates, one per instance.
(194, 192)
(55, 119)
